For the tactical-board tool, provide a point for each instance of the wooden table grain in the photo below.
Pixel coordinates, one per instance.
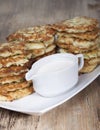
(82, 112)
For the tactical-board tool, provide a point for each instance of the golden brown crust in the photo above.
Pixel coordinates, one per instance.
(92, 54)
(18, 60)
(11, 46)
(11, 49)
(46, 54)
(90, 65)
(12, 79)
(42, 51)
(73, 49)
(10, 96)
(92, 61)
(88, 68)
(13, 70)
(33, 46)
(77, 25)
(89, 35)
(5, 88)
(36, 34)
(37, 52)
(76, 42)
(50, 53)
(50, 48)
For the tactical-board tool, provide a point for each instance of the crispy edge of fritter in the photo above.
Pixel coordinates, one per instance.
(67, 26)
(5, 88)
(10, 96)
(15, 60)
(13, 79)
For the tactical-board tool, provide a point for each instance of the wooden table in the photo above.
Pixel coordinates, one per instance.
(82, 112)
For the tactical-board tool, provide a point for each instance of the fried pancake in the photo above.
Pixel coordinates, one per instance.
(49, 42)
(37, 52)
(62, 50)
(12, 70)
(31, 46)
(43, 51)
(18, 60)
(50, 48)
(87, 55)
(5, 88)
(77, 25)
(9, 49)
(90, 65)
(13, 79)
(10, 45)
(92, 54)
(90, 35)
(42, 29)
(88, 68)
(91, 61)
(46, 54)
(77, 42)
(39, 44)
(76, 50)
(50, 53)
(10, 96)
(32, 34)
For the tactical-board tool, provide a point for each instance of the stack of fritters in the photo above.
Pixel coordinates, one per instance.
(14, 63)
(80, 35)
(39, 40)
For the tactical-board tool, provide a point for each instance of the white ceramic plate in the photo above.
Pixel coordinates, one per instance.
(35, 104)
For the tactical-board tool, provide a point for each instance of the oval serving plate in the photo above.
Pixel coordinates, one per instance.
(35, 104)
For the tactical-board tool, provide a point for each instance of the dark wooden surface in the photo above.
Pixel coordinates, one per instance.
(82, 112)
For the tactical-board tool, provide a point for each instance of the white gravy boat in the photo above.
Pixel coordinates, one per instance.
(55, 74)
